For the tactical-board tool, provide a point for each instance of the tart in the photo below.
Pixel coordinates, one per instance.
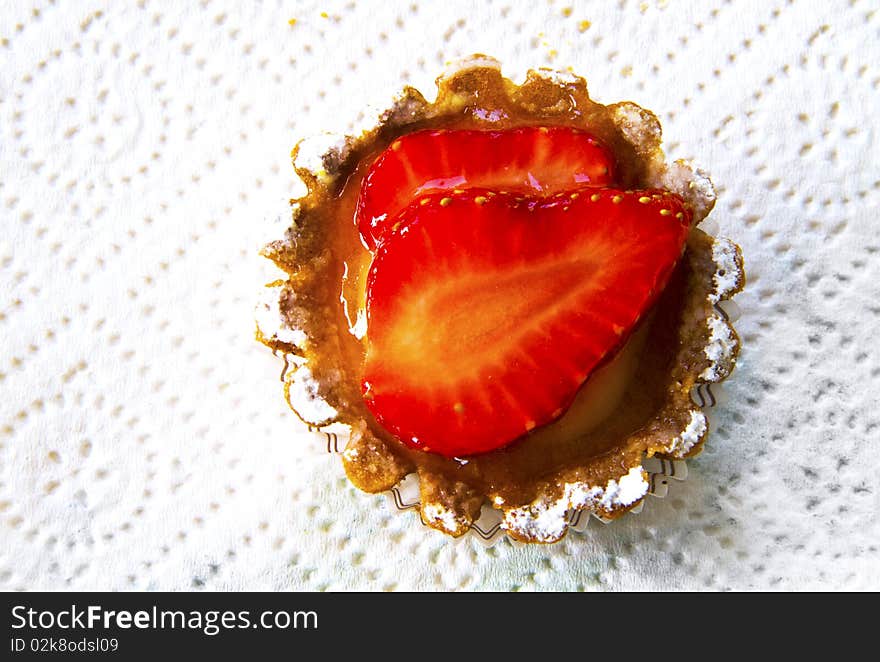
(505, 292)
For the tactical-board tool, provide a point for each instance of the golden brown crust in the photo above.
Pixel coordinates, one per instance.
(533, 486)
(370, 463)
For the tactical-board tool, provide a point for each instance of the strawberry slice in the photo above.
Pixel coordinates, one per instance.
(488, 311)
(530, 160)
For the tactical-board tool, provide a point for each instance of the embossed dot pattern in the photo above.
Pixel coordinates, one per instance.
(144, 158)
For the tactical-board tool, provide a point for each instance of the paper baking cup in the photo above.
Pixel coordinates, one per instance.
(487, 528)
(404, 497)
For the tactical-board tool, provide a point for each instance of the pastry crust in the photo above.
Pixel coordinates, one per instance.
(301, 317)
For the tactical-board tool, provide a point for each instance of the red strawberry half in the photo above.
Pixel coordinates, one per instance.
(488, 311)
(530, 160)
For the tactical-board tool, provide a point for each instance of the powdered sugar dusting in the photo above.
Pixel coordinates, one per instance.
(638, 125)
(559, 77)
(435, 514)
(541, 521)
(690, 182)
(691, 435)
(720, 349)
(625, 492)
(472, 62)
(546, 521)
(304, 390)
(727, 279)
(271, 323)
(728, 275)
(316, 154)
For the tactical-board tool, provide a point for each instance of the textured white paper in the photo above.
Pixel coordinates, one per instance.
(144, 155)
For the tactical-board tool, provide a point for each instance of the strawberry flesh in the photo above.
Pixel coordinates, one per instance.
(537, 161)
(487, 311)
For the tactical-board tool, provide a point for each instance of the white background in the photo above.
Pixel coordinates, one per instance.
(144, 152)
